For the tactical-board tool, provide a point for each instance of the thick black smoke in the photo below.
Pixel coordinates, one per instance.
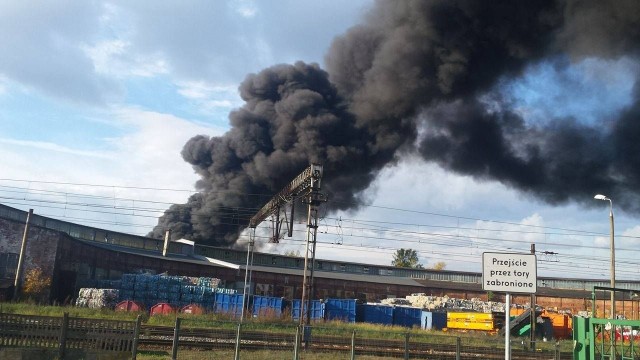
(421, 77)
(292, 116)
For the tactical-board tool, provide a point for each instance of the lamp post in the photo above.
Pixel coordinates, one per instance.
(613, 254)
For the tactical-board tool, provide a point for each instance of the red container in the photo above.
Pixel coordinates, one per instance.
(162, 309)
(129, 305)
(192, 309)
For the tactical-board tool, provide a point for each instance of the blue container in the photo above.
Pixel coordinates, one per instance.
(230, 304)
(438, 320)
(340, 309)
(126, 294)
(128, 281)
(140, 296)
(140, 286)
(317, 310)
(268, 306)
(374, 314)
(426, 320)
(406, 316)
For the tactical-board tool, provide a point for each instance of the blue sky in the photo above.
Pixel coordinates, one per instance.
(107, 93)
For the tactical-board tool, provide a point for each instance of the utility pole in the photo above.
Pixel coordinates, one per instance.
(18, 281)
(532, 324)
(312, 200)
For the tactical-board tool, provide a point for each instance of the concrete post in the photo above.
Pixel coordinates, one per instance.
(17, 285)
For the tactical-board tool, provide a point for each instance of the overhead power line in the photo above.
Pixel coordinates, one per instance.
(365, 231)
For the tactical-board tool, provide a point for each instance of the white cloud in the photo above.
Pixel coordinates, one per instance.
(152, 148)
(3, 85)
(145, 155)
(43, 41)
(630, 237)
(246, 8)
(84, 50)
(602, 241)
(48, 146)
(210, 98)
(202, 90)
(116, 58)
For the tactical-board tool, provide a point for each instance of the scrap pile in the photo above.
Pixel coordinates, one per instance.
(444, 302)
(97, 298)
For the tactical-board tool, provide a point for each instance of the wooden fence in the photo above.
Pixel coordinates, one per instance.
(62, 333)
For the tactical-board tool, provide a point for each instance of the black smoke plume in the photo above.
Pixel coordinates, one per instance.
(421, 77)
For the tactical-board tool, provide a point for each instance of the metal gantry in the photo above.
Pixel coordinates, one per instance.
(307, 187)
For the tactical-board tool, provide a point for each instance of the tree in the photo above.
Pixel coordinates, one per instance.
(36, 285)
(440, 265)
(407, 258)
(295, 253)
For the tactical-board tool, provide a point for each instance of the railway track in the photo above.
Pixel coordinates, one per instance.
(157, 337)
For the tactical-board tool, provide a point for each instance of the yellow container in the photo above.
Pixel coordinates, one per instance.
(469, 316)
(517, 311)
(470, 325)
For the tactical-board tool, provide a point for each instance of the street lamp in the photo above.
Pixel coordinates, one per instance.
(613, 254)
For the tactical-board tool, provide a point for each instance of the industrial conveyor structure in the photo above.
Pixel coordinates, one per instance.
(305, 186)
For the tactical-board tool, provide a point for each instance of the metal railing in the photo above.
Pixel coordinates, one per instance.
(61, 335)
(244, 341)
(194, 338)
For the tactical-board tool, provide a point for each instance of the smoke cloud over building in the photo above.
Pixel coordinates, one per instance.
(421, 78)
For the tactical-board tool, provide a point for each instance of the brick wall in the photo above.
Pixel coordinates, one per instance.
(41, 249)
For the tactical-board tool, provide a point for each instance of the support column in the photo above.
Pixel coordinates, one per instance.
(17, 285)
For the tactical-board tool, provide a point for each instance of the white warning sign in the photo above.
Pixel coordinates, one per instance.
(509, 272)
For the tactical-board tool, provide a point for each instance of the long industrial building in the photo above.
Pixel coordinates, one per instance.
(76, 256)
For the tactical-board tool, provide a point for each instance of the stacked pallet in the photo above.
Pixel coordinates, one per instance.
(97, 298)
(175, 290)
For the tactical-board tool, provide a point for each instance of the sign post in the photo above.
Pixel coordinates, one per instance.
(509, 273)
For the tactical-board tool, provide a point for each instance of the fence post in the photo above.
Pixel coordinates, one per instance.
(353, 345)
(237, 353)
(406, 346)
(557, 351)
(176, 336)
(136, 336)
(458, 347)
(62, 344)
(296, 345)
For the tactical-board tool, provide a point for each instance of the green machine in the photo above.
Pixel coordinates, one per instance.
(607, 339)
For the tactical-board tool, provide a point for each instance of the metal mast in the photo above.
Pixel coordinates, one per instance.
(313, 200)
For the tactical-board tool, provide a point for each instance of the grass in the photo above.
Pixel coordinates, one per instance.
(250, 355)
(46, 310)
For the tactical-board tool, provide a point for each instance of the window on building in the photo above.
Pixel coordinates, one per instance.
(84, 271)
(74, 231)
(100, 274)
(8, 265)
